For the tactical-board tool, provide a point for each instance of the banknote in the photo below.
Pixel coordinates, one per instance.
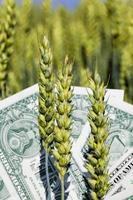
(125, 191)
(121, 177)
(21, 156)
(120, 116)
(126, 194)
(120, 139)
(4, 193)
(80, 101)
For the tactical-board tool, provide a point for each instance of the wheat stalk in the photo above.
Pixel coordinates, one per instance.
(7, 30)
(62, 131)
(97, 156)
(46, 102)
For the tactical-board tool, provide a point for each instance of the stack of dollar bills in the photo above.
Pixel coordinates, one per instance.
(22, 158)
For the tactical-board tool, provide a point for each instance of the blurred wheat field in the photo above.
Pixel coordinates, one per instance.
(94, 34)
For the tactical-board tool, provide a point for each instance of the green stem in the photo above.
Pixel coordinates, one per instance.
(47, 177)
(4, 90)
(62, 188)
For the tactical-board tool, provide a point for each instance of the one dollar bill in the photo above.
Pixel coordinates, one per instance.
(120, 141)
(21, 157)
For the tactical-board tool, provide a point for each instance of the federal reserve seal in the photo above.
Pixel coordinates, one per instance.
(21, 136)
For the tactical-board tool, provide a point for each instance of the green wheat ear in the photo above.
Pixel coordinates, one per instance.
(62, 131)
(97, 156)
(7, 31)
(46, 96)
(46, 104)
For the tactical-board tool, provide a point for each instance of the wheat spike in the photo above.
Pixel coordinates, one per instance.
(46, 103)
(62, 131)
(97, 156)
(46, 98)
(7, 29)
